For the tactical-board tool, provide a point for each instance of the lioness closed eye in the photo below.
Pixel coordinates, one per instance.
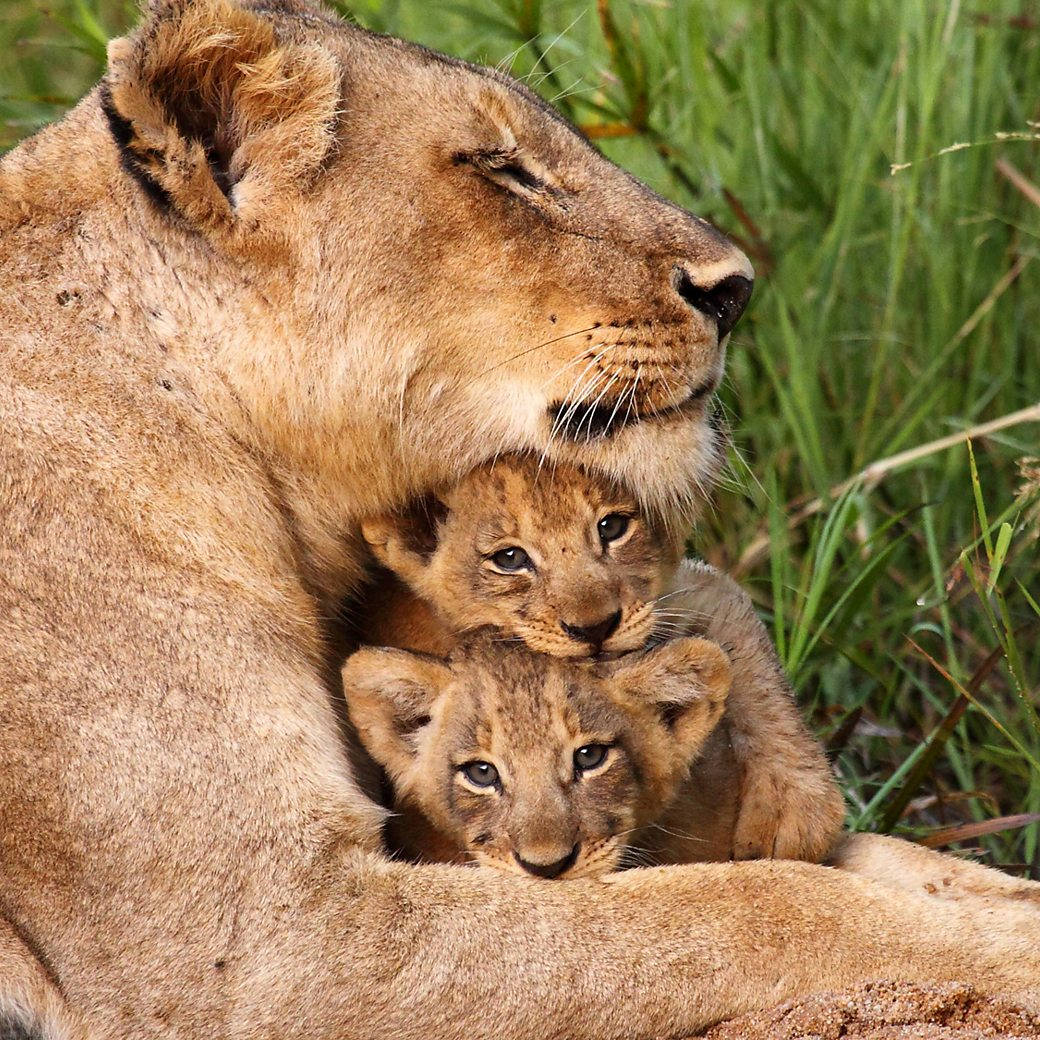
(526, 763)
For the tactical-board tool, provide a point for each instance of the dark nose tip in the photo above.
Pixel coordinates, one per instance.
(549, 870)
(724, 301)
(596, 634)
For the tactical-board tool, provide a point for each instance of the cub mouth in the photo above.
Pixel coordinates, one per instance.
(607, 420)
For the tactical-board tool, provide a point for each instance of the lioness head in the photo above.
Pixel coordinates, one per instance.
(559, 557)
(417, 262)
(526, 763)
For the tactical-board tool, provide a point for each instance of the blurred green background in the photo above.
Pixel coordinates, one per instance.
(878, 159)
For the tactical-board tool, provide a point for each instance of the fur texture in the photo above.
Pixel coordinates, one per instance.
(764, 780)
(485, 751)
(200, 399)
(559, 602)
(763, 789)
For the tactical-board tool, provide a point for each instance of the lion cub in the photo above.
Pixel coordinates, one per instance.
(567, 562)
(523, 762)
(556, 557)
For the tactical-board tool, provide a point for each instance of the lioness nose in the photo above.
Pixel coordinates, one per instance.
(723, 300)
(596, 634)
(549, 870)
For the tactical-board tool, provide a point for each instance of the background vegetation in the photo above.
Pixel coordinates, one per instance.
(878, 160)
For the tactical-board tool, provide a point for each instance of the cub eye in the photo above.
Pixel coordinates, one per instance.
(590, 756)
(511, 559)
(612, 527)
(480, 774)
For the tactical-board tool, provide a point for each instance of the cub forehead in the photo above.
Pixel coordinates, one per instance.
(503, 689)
(512, 490)
(511, 694)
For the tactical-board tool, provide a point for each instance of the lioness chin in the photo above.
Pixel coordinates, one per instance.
(273, 275)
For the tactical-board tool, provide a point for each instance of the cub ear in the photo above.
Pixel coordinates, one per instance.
(213, 115)
(390, 695)
(686, 680)
(404, 542)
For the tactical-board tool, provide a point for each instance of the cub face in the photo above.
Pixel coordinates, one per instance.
(560, 558)
(526, 763)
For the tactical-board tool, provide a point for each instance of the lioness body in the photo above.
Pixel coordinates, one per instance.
(232, 326)
(763, 787)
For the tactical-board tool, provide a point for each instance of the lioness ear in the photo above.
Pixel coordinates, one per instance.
(390, 694)
(404, 541)
(213, 115)
(687, 681)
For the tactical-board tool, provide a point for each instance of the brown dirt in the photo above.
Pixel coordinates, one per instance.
(888, 1011)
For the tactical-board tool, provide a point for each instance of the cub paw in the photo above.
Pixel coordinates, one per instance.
(794, 816)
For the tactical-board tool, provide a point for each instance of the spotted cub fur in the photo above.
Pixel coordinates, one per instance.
(523, 762)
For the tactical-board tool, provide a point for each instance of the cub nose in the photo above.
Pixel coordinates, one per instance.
(722, 300)
(549, 870)
(596, 634)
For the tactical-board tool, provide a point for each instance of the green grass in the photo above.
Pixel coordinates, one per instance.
(891, 310)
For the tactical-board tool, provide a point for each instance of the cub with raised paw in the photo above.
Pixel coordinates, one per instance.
(568, 562)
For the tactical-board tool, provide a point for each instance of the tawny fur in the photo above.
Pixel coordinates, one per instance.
(31, 1001)
(525, 715)
(763, 789)
(197, 408)
(785, 803)
(441, 549)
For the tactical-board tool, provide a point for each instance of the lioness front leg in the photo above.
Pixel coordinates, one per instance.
(384, 949)
(913, 868)
(789, 804)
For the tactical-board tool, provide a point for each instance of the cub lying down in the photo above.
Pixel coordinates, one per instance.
(526, 763)
(568, 563)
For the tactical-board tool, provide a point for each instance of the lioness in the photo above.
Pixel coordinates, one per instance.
(276, 274)
(568, 561)
(519, 761)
